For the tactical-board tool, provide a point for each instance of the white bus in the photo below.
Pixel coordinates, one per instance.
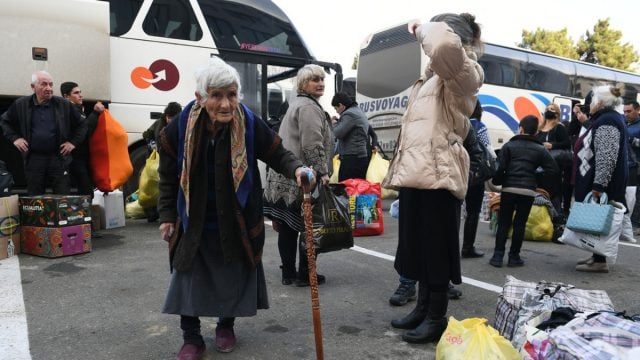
(139, 55)
(518, 82)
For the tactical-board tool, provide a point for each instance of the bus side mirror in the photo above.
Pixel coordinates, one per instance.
(338, 82)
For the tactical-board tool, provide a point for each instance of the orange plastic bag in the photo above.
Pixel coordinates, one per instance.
(109, 154)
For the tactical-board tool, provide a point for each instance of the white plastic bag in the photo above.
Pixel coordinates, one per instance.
(627, 229)
(395, 209)
(605, 245)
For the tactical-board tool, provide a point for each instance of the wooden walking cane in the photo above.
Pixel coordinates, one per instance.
(311, 256)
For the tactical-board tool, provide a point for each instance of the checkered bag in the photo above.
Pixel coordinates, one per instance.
(510, 302)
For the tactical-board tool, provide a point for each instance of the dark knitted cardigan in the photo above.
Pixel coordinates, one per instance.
(241, 228)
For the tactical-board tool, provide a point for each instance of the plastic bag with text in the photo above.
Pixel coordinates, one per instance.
(331, 224)
(365, 207)
(473, 339)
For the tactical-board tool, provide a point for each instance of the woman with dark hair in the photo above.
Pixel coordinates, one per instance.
(430, 168)
(211, 207)
(601, 163)
(351, 130)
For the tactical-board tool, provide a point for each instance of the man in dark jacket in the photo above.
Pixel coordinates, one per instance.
(518, 161)
(80, 166)
(45, 129)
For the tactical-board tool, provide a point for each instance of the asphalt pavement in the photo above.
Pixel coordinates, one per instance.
(106, 304)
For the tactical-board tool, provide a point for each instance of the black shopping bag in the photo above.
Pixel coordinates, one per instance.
(331, 224)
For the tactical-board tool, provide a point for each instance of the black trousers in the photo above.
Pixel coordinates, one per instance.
(288, 247)
(81, 173)
(473, 205)
(353, 167)
(42, 170)
(510, 203)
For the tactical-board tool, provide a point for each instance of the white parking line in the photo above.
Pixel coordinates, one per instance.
(628, 244)
(466, 280)
(14, 335)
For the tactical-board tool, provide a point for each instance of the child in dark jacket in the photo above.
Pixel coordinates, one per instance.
(517, 164)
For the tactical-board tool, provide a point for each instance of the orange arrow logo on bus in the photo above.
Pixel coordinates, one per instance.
(162, 74)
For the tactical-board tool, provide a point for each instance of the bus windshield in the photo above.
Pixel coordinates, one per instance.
(239, 25)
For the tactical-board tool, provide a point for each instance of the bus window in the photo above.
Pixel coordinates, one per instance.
(550, 74)
(631, 86)
(397, 48)
(503, 66)
(588, 75)
(173, 19)
(122, 13)
(240, 26)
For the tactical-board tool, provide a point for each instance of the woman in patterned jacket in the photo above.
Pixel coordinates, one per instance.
(600, 160)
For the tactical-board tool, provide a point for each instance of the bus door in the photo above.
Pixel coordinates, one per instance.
(566, 107)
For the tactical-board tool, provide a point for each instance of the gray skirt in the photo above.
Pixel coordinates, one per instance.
(213, 288)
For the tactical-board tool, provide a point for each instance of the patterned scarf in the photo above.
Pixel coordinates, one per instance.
(239, 163)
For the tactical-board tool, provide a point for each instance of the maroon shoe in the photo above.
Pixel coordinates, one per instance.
(190, 352)
(225, 340)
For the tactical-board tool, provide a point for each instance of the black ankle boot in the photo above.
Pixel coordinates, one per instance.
(435, 323)
(496, 259)
(471, 252)
(288, 275)
(417, 315)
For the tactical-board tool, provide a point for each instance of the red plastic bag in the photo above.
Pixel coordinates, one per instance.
(365, 207)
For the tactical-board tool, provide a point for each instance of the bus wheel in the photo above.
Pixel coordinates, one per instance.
(138, 158)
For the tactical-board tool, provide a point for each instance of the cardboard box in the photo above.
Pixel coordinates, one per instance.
(111, 208)
(9, 224)
(56, 241)
(55, 210)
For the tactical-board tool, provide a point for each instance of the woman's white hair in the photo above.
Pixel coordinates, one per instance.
(306, 73)
(218, 74)
(607, 96)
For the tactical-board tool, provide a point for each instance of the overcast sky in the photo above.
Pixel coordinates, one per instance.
(334, 29)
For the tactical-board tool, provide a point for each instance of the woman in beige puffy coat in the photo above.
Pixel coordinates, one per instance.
(431, 168)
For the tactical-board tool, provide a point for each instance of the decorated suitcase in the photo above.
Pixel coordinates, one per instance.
(54, 242)
(55, 210)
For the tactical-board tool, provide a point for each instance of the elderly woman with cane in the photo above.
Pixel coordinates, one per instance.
(210, 207)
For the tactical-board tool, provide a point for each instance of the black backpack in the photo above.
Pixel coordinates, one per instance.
(488, 164)
(6, 180)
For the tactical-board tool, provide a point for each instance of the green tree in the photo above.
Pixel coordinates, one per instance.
(549, 42)
(354, 64)
(603, 47)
